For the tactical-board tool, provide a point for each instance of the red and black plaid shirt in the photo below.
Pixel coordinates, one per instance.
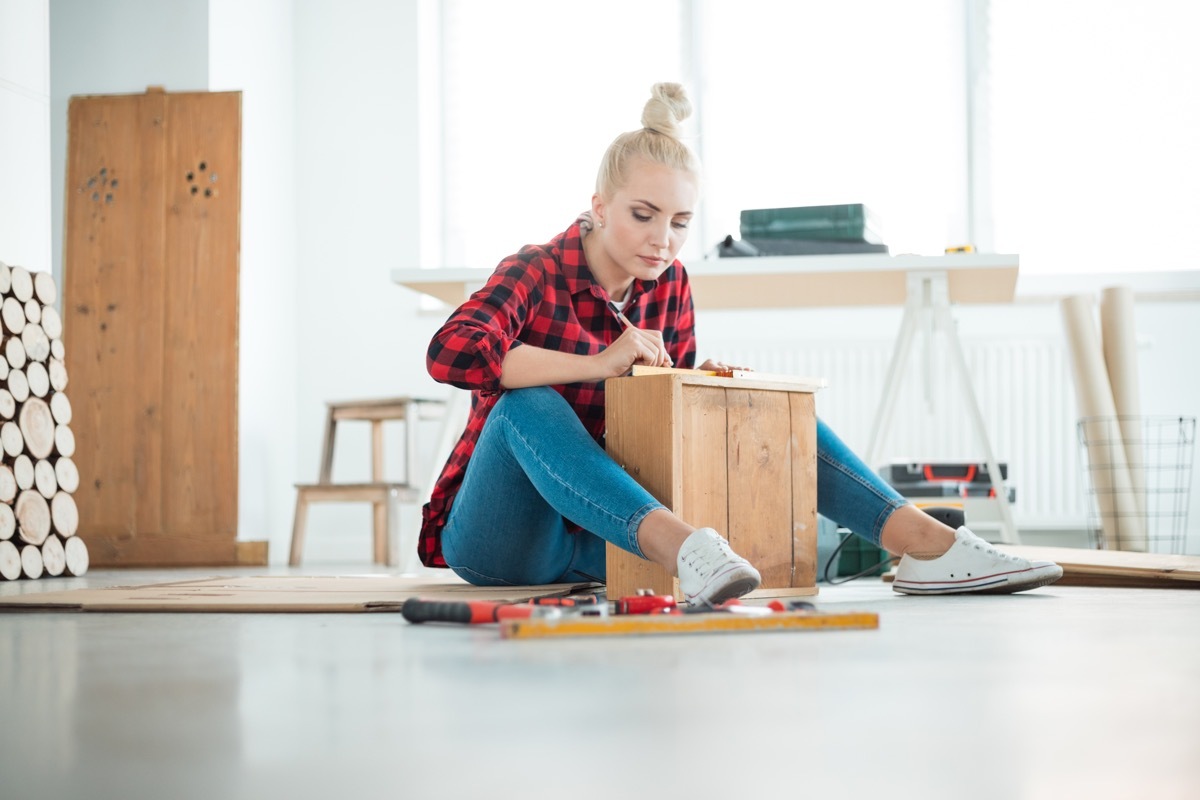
(543, 296)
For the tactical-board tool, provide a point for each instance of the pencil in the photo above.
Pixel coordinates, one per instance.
(624, 320)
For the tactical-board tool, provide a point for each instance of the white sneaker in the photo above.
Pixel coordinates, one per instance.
(972, 565)
(710, 572)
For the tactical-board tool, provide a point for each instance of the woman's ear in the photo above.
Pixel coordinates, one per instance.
(598, 210)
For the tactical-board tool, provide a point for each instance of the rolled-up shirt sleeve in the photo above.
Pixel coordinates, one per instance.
(468, 350)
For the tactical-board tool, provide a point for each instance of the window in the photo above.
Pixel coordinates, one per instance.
(534, 91)
(1087, 115)
(1094, 129)
(852, 102)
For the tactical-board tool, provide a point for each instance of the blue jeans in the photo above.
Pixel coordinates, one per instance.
(535, 464)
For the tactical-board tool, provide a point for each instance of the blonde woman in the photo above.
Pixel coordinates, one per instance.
(529, 496)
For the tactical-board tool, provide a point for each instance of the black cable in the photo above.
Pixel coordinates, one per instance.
(867, 571)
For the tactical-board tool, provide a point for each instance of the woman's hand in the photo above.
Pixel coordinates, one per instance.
(719, 366)
(633, 346)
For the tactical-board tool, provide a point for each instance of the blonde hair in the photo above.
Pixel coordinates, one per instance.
(658, 140)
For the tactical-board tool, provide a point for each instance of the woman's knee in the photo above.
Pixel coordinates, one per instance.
(535, 403)
(529, 397)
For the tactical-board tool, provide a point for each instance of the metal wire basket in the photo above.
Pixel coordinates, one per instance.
(1138, 475)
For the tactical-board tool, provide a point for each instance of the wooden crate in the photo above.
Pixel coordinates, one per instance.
(733, 454)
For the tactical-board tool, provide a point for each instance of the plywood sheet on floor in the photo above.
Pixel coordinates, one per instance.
(276, 594)
(1117, 568)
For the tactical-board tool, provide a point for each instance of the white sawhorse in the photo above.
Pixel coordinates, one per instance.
(927, 309)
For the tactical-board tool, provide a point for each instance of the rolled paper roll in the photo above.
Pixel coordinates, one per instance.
(1109, 475)
(1118, 331)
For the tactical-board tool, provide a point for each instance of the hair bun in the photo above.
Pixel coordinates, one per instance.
(667, 107)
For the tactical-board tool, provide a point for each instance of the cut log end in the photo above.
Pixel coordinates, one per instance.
(52, 325)
(65, 515)
(45, 479)
(60, 407)
(58, 374)
(39, 379)
(45, 288)
(11, 439)
(37, 427)
(77, 556)
(18, 384)
(31, 562)
(22, 284)
(14, 353)
(35, 341)
(23, 472)
(12, 314)
(54, 556)
(64, 441)
(33, 518)
(67, 474)
(33, 311)
(8, 522)
(10, 561)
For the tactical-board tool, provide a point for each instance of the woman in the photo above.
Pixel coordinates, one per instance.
(529, 496)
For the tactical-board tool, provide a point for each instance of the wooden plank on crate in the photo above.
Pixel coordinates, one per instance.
(640, 413)
(760, 482)
(804, 489)
(113, 307)
(705, 490)
(200, 490)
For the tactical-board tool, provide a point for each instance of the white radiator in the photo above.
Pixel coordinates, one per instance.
(1024, 392)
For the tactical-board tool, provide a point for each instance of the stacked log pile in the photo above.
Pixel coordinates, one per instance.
(38, 515)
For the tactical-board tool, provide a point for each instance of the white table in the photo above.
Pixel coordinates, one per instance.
(927, 287)
(788, 281)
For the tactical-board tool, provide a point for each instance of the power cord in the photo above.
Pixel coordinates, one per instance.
(833, 560)
(947, 515)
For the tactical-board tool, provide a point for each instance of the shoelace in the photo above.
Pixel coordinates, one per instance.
(702, 559)
(983, 547)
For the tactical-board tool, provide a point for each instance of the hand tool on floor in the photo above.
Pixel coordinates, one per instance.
(470, 612)
(645, 602)
(475, 612)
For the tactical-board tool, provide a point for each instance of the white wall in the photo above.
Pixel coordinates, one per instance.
(25, 133)
(123, 46)
(118, 47)
(251, 51)
(359, 214)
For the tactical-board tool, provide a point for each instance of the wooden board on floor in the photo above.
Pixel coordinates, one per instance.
(1115, 567)
(657, 624)
(267, 594)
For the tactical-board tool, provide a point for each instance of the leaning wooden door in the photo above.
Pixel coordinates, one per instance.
(151, 323)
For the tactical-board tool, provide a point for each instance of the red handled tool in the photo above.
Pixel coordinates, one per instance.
(584, 601)
(646, 604)
(469, 612)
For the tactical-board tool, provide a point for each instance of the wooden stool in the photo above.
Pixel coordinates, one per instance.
(384, 496)
(735, 454)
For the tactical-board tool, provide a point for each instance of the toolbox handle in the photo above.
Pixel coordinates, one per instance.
(970, 475)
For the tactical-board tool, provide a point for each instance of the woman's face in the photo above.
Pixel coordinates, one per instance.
(645, 222)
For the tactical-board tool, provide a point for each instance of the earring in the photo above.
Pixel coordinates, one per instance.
(600, 223)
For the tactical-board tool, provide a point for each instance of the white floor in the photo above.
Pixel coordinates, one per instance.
(1060, 692)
